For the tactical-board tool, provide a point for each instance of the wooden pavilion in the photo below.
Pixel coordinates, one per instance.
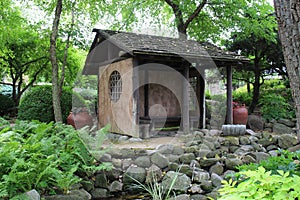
(145, 81)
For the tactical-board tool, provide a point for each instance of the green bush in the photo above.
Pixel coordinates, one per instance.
(37, 104)
(274, 106)
(286, 161)
(50, 158)
(6, 104)
(242, 97)
(261, 184)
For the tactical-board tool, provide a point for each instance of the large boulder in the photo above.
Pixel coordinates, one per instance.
(177, 181)
(281, 129)
(255, 123)
(287, 140)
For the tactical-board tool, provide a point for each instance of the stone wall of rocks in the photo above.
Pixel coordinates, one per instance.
(202, 163)
(281, 126)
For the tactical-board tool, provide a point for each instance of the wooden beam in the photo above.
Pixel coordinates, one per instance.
(185, 101)
(229, 115)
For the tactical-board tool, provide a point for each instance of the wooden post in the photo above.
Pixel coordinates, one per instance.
(229, 115)
(146, 94)
(185, 101)
(201, 97)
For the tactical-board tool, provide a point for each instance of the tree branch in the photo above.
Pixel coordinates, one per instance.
(195, 14)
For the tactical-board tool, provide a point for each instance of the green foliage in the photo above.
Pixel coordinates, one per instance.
(262, 184)
(46, 157)
(275, 106)
(286, 161)
(6, 104)
(242, 97)
(37, 104)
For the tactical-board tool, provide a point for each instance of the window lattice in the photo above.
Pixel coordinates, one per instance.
(115, 86)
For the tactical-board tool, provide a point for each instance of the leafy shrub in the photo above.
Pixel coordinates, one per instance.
(274, 106)
(242, 97)
(50, 158)
(6, 104)
(286, 161)
(37, 104)
(261, 184)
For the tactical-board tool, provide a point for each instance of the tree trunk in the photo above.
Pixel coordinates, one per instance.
(54, 63)
(288, 18)
(256, 85)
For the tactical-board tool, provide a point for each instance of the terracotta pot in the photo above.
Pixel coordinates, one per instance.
(80, 119)
(240, 115)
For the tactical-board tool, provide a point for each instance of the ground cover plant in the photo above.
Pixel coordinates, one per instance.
(274, 178)
(50, 158)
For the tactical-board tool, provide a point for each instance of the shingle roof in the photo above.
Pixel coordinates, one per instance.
(140, 43)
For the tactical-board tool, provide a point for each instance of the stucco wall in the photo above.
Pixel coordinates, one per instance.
(165, 93)
(118, 114)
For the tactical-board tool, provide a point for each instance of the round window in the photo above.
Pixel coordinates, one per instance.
(115, 86)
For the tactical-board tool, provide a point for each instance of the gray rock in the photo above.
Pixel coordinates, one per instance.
(200, 176)
(116, 186)
(181, 197)
(154, 174)
(126, 163)
(135, 140)
(208, 162)
(232, 163)
(272, 147)
(213, 195)
(268, 125)
(116, 162)
(181, 184)
(143, 161)
(178, 150)
(187, 158)
(173, 166)
(165, 148)
(123, 138)
(73, 195)
(198, 197)
(214, 153)
(252, 133)
(173, 158)
(287, 140)
(191, 149)
(255, 123)
(232, 141)
(294, 148)
(98, 193)
(202, 153)
(233, 148)
(244, 140)
(186, 169)
(210, 145)
(105, 158)
(217, 169)
(266, 141)
(259, 156)
(287, 122)
(282, 129)
(196, 189)
(88, 185)
(206, 185)
(244, 149)
(194, 163)
(216, 180)
(33, 195)
(215, 132)
(101, 181)
(159, 160)
(247, 159)
(113, 174)
(127, 153)
(136, 173)
(273, 153)
(203, 147)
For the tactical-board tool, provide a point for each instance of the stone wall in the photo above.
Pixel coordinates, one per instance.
(202, 162)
